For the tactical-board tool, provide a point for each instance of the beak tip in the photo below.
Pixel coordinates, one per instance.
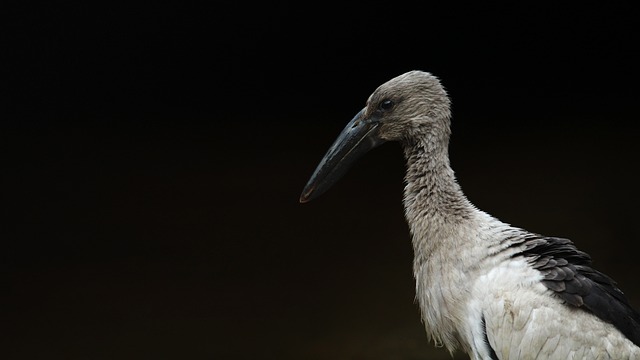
(306, 195)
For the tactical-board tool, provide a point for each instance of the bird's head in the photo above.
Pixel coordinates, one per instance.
(404, 108)
(408, 106)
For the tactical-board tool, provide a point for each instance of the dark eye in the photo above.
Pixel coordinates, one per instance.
(386, 105)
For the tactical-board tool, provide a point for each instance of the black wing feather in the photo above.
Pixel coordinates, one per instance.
(567, 271)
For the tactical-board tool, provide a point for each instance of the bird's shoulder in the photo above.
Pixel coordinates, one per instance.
(569, 274)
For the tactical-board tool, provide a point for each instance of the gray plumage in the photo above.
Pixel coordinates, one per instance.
(493, 290)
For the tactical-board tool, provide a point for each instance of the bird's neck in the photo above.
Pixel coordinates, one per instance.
(440, 219)
(432, 197)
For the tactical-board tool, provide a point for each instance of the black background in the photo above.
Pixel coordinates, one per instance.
(153, 155)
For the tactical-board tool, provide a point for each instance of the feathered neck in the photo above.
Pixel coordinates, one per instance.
(431, 190)
(437, 212)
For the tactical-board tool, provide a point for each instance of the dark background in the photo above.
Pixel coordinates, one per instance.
(153, 155)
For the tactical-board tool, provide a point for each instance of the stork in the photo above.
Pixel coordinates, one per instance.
(483, 286)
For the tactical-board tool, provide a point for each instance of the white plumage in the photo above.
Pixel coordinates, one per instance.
(485, 287)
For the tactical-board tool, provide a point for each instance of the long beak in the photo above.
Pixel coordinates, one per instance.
(357, 138)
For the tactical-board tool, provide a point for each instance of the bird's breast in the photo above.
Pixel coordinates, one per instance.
(443, 275)
(448, 261)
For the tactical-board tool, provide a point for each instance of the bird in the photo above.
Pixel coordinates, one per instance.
(484, 287)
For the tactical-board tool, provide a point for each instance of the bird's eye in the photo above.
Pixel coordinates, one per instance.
(386, 105)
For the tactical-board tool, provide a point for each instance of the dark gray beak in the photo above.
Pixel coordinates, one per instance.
(357, 138)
